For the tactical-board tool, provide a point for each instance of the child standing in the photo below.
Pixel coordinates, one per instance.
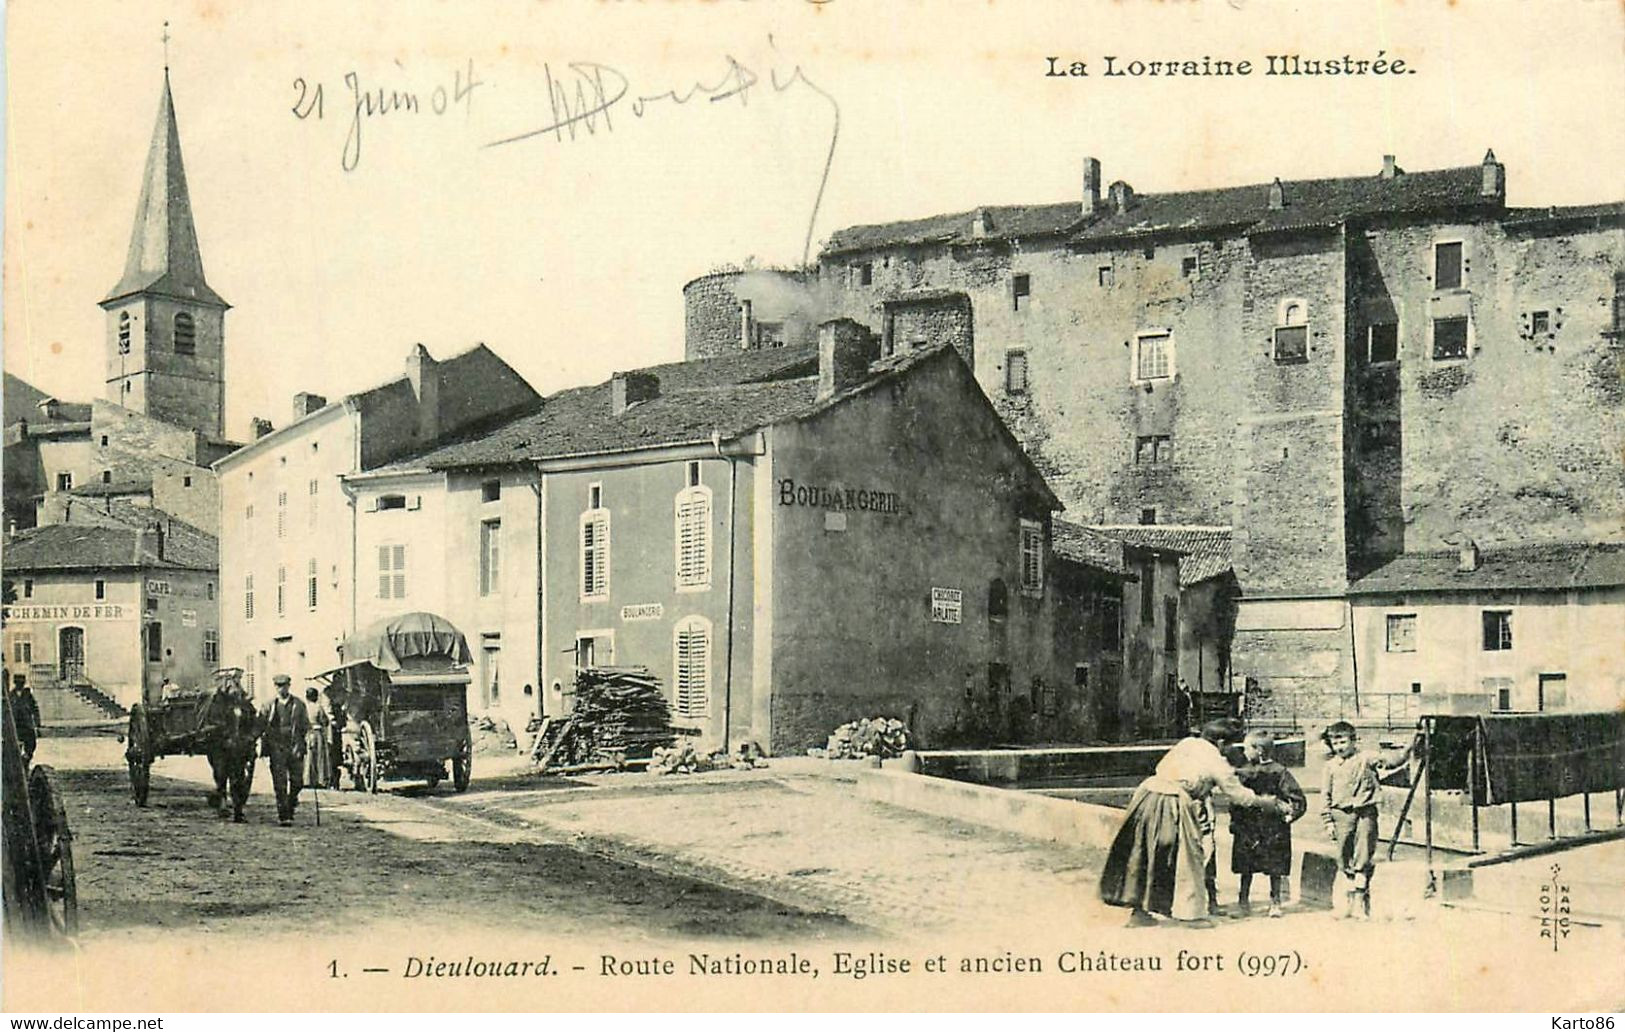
(1349, 809)
(1262, 839)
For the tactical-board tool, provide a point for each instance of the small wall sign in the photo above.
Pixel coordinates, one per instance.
(947, 605)
(643, 611)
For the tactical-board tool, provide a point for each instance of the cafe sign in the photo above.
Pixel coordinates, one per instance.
(56, 614)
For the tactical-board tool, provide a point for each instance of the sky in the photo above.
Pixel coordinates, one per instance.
(566, 252)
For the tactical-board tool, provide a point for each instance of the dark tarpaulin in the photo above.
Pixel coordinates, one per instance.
(408, 636)
(1532, 756)
(1450, 751)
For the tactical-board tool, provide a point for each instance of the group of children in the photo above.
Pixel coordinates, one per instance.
(1350, 786)
(1163, 855)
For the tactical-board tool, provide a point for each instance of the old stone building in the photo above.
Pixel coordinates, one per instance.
(1340, 370)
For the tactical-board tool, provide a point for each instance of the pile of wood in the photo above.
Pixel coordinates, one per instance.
(620, 715)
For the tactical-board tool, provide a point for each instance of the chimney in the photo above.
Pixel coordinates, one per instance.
(304, 403)
(1468, 558)
(423, 373)
(48, 408)
(260, 426)
(845, 349)
(981, 224)
(1277, 195)
(1091, 186)
(1390, 168)
(627, 389)
(1122, 197)
(1494, 183)
(747, 325)
(150, 541)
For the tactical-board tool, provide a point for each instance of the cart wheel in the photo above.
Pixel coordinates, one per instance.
(367, 757)
(56, 851)
(462, 766)
(138, 754)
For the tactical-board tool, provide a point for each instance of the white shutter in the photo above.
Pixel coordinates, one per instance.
(694, 537)
(691, 689)
(595, 553)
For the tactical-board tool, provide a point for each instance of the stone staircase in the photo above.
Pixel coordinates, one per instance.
(72, 704)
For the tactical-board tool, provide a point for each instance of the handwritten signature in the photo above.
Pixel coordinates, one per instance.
(583, 101)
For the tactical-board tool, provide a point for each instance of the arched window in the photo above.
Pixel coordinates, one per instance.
(124, 333)
(185, 334)
(693, 535)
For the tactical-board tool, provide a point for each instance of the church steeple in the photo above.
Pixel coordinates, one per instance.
(163, 256)
(165, 324)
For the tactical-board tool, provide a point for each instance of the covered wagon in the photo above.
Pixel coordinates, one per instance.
(400, 697)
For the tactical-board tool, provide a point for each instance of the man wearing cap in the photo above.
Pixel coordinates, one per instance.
(286, 724)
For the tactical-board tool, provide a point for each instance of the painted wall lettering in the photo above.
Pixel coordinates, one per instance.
(843, 499)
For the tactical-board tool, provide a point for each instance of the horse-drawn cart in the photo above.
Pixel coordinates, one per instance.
(41, 894)
(218, 723)
(402, 695)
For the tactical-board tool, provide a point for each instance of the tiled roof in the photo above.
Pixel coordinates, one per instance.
(1308, 203)
(699, 401)
(22, 400)
(1546, 567)
(1533, 216)
(1090, 547)
(102, 539)
(1204, 551)
(727, 395)
(1006, 222)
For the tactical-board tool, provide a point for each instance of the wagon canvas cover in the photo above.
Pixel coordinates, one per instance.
(409, 636)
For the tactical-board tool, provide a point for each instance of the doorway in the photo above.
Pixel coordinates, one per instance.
(70, 654)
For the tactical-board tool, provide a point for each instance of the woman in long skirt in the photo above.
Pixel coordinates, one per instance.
(1158, 860)
(319, 750)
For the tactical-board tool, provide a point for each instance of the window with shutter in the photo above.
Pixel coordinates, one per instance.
(281, 590)
(691, 668)
(391, 571)
(310, 585)
(248, 597)
(693, 511)
(595, 554)
(490, 556)
(1032, 558)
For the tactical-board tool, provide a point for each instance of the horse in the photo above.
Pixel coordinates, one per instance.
(229, 726)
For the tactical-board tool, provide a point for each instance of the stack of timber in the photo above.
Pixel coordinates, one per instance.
(620, 717)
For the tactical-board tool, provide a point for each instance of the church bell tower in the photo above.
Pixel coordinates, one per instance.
(165, 324)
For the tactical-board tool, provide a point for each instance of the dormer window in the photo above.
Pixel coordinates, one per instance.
(185, 334)
(124, 333)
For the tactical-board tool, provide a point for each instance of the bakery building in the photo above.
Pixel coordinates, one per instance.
(789, 538)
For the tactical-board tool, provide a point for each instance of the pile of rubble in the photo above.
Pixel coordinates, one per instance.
(491, 735)
(884, 737)
(685, 759)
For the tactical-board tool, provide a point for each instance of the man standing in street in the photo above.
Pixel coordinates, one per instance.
(286, 724)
